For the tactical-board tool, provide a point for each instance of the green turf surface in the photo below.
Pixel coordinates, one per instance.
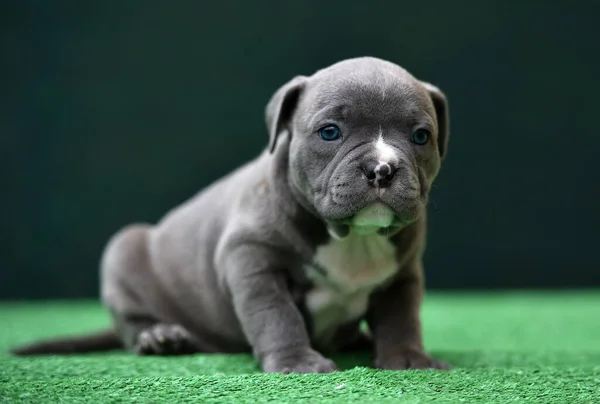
(507, 347)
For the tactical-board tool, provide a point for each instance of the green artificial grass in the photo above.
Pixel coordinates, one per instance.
(506, 347)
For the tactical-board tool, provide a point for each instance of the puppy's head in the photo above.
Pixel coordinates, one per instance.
(366, 142)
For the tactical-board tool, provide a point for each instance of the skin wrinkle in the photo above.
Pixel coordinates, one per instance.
(337, 115)
(328, 180)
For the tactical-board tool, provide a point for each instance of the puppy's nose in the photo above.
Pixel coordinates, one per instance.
(379, 173)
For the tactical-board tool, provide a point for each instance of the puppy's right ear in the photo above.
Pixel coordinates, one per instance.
(281, 107)
(440, 103)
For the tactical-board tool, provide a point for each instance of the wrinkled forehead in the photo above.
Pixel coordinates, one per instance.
(367, 95)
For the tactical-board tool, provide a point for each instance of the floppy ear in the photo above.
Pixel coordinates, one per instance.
(280, 108)
(440, 103)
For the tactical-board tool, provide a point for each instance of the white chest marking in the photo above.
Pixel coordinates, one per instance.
(350, 269)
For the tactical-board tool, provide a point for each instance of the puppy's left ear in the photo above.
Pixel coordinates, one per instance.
(281, 107)
(440, 103)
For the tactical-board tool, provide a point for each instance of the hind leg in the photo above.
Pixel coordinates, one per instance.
(146, 336)
(165, 339)
(351, 338)
(129, 287)
(362, 343)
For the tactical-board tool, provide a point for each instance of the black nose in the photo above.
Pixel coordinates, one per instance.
(378, 173)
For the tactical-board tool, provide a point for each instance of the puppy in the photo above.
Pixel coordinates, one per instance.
(288, 254)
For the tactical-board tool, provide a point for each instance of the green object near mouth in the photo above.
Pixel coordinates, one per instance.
(534, 347)
(373, 217)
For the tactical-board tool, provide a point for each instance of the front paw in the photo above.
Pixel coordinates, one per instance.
(298, 361)
(410, 359)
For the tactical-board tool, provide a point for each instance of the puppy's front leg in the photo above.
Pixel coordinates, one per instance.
(394, 320)
(269, 317)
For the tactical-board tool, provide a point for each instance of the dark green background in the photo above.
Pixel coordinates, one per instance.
(114, 112)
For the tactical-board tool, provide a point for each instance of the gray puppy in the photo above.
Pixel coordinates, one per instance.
(288, 254)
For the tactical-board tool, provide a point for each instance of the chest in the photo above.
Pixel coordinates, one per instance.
(344, 274)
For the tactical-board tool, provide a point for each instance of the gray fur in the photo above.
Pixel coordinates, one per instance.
(230, 269)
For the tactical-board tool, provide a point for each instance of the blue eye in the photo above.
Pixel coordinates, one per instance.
(330, 132)
(420, 137)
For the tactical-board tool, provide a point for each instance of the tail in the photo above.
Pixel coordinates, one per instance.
(105, 340)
